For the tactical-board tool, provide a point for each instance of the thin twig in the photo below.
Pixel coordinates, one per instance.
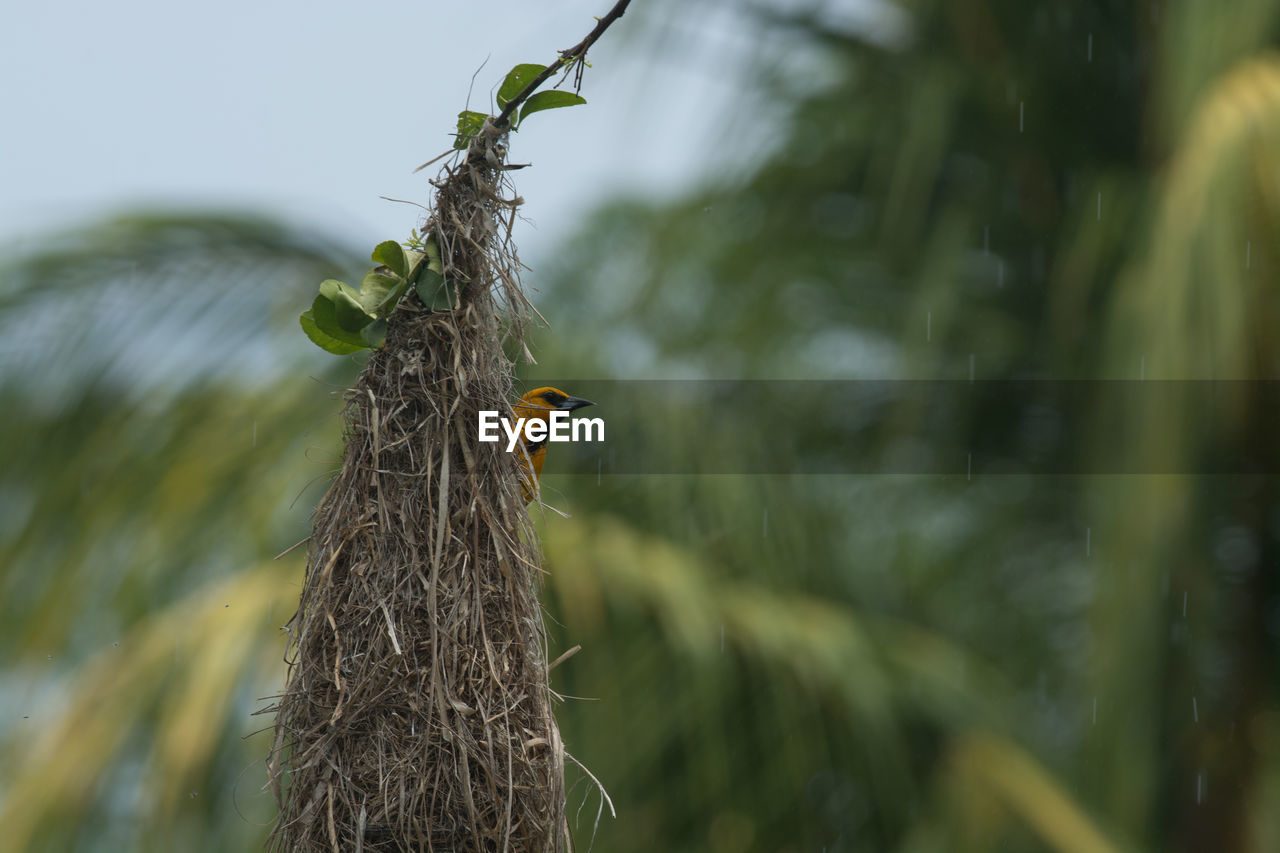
(579, 51)
(291, 548)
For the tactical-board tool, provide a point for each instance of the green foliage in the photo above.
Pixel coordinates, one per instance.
(469, 124)
(517, 79)
(549, 100)
(335, 320)
(344, 320)
(433, 289)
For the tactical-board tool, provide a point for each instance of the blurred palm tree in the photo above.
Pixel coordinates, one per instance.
(907, 663)
(1078, 191)
(160, 419)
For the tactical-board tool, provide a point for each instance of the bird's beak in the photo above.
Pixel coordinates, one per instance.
(575, 403)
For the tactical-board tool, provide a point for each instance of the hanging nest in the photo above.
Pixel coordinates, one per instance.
(417, 712)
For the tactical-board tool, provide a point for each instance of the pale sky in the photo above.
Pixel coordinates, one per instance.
(313, 110)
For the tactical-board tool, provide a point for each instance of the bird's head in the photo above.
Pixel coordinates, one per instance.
(540, 402)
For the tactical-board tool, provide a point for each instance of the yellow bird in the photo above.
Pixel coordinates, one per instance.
(537, 405)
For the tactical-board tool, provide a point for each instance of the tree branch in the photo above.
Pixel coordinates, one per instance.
(578, 51)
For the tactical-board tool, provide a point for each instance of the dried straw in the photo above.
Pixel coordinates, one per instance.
(417, 712)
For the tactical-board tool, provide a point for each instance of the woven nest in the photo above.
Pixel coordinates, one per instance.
(417, 712)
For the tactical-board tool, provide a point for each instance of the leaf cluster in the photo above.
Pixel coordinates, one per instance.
(517, 80)
(343, 319)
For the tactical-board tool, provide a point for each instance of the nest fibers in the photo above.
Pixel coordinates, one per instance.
(417, 712)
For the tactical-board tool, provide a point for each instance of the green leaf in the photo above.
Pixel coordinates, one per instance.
(416, 261)
(374, 334)
(349, 315)
(325, 315)
(469, 124)
(550, 100)
(323, 339)
(435, 291)
(379, 292)
(390, 253)
(429, 281)
(517, 79)
(433, 254)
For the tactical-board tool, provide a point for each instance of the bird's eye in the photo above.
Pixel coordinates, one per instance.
(554, 399)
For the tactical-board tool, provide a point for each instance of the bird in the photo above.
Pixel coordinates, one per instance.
(538, 404)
